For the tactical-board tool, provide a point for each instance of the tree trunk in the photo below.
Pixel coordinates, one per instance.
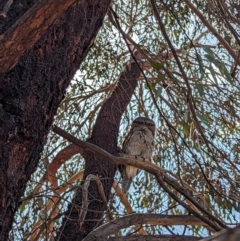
(104, 135)
(32, 90)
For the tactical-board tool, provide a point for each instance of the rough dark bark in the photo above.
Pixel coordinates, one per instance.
(28, 29)
(104, 135)
(31, 92)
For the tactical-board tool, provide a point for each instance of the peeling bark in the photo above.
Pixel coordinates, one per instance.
(31, 92)
(28, 30)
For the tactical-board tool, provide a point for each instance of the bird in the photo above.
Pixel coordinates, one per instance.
(138, 142)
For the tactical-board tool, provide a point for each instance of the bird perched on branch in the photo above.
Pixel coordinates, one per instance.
(139, 142)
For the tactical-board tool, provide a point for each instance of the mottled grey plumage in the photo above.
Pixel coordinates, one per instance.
(139, 141)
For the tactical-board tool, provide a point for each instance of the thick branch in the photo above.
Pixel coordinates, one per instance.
(154, 238)
(28, 30)
(229, 234)
(83, 144)
(154, 219)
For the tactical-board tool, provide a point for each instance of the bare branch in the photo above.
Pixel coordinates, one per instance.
(154, 219)
(85, 202)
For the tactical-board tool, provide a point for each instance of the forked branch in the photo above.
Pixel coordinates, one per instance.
(158, 172)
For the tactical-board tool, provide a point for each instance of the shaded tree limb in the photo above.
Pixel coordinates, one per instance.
(65, 154)
(28, 30)
(129, 220)
(229, 234)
